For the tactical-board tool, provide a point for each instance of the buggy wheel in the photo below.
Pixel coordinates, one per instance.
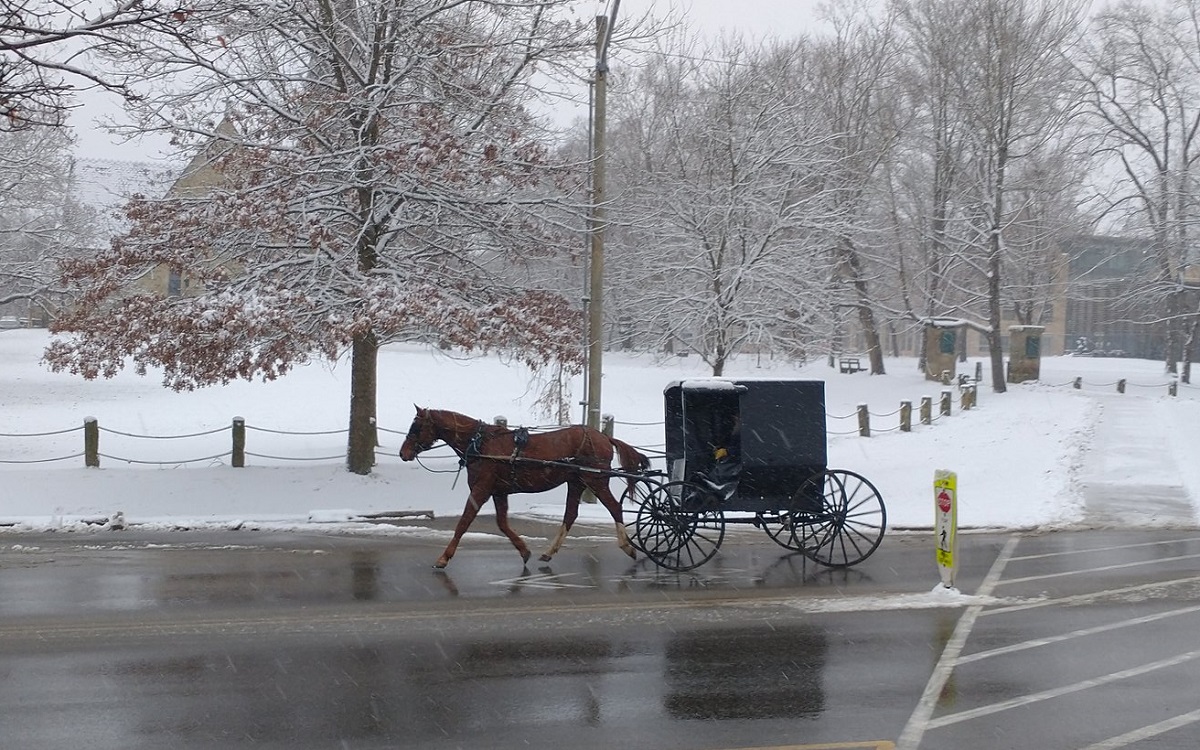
(636, 494)
(782, 527)
(679, 526)
(850, 523)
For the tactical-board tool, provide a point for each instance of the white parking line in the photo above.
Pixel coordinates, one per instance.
(1076, 634)
(1065, 553)
(1075, 687)
(1085, 571)
(1146, 732)
(1128, 592)
(918, 722)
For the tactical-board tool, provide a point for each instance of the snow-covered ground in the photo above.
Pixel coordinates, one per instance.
(1041, 455)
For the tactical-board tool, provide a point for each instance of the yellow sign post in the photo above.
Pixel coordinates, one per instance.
(945, 507)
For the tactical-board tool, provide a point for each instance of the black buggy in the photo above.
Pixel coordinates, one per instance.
(753, 452)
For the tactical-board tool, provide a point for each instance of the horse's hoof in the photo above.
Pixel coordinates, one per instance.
(545, 558)
(526, 555)
(440, 564)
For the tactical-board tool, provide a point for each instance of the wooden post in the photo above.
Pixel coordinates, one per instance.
(927, 410)
(1173, 388)
(91, 442)
(606, 424)
(906, 416)
(1121, 385)
(965, 398)
(945, 406)
(1078, 383)
(864, 421)
(238, 460)
(979, 372)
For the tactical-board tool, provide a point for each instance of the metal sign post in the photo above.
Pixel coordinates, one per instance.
(945, 502)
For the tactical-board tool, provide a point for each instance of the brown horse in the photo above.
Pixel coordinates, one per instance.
(501, 462)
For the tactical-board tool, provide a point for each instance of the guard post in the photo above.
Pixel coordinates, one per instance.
(945, 502)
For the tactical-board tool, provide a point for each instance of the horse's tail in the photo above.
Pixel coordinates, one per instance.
(632, 460)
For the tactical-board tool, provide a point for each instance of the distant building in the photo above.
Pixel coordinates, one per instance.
(1105, 315)
(1093, 307)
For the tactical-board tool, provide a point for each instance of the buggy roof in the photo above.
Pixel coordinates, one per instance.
(727, 384)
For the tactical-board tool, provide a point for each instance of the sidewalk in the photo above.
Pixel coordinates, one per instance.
(1132, 477)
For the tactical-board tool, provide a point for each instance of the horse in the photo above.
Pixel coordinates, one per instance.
(501, 462)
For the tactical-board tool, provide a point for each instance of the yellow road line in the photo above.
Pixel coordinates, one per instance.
(876, 745)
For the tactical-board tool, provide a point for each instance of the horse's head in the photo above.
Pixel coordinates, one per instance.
(422, 434)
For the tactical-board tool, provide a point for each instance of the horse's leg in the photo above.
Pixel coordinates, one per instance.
(501, 503)
(570, 513)
(599, 487)
(475, 501)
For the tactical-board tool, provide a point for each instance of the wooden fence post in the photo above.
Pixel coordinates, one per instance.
(864, 421)
(1078, 383)
(1173, 388)
(945, 406)
(906, 416)
(238, 459)
(927, 410)
(91, 442)
(1121, 385)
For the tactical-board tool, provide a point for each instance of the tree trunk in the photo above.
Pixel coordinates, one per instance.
(1174, 344)
(1189, 350)
(995, 348)
(866, 320)
(360, 455)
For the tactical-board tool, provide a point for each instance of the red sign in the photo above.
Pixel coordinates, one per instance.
(943, 501)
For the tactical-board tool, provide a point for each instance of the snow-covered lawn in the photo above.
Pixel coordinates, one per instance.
(1021, 457)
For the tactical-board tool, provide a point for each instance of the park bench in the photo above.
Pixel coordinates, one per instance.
(849, 364)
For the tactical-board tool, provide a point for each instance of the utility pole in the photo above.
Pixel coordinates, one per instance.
(597, 222)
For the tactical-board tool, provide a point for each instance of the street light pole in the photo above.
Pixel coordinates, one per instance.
(596, 228)
(597, 224)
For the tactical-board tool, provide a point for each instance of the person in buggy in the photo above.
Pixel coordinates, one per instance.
(722, 477)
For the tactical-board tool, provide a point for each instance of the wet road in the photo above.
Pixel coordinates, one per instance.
(243, 639)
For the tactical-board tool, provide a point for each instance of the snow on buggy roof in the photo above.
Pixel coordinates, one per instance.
(727, 384)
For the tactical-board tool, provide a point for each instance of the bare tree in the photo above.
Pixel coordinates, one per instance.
(39, 223)
(45, 46)
(376, 160)
(854, 89)
(927, 172)
(1000, 76)
(1141, 70)
(720, 166)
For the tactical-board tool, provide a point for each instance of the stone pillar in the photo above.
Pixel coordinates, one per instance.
(941, 350)
(1024, 353)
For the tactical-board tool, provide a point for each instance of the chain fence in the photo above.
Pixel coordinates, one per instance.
(862, 421)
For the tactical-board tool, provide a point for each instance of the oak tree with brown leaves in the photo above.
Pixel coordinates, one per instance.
(373, 161)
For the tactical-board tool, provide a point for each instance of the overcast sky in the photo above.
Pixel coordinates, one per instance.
(784, 18)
